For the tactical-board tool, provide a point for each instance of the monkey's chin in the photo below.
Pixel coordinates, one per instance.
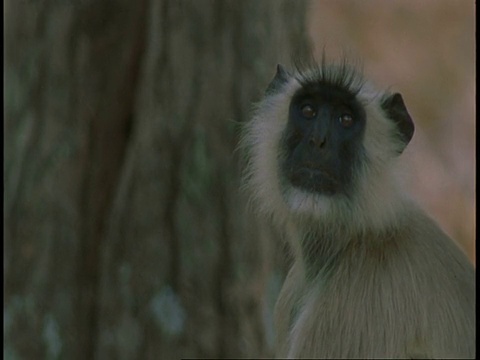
(305, 203)
(313, 181)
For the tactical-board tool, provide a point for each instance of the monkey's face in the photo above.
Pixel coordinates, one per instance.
(322, 141)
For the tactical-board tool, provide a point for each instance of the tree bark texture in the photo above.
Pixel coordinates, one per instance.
(126, 235)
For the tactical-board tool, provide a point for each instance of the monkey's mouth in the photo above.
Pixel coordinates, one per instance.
(313, 179)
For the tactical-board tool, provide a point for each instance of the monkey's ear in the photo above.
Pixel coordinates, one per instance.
(396, 110)
(280, 78)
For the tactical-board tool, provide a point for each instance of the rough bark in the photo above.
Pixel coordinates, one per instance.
(126, 235)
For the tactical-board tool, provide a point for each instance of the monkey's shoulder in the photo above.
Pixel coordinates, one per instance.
(421, 255)
(426, 243)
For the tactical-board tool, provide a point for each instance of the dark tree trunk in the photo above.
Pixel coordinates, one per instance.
(126, 235)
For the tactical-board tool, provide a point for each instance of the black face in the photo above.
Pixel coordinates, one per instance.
(323, 139)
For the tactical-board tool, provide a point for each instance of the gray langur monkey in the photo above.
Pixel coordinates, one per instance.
(373, 275)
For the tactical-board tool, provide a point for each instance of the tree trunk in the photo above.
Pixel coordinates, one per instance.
(126, 234)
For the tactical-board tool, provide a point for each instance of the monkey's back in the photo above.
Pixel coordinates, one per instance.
(411, 295)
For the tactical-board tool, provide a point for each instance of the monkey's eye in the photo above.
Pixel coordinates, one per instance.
(308, 111)
(346, 120)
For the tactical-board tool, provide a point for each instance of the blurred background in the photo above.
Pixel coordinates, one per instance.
(125, 233)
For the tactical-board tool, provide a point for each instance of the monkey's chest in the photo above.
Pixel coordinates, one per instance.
(361, 317)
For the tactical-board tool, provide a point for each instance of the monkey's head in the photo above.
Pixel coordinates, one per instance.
(321, 145)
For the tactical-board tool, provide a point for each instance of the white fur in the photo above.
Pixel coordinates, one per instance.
(261, 139)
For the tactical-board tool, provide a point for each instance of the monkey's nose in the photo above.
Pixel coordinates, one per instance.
(317, 141)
